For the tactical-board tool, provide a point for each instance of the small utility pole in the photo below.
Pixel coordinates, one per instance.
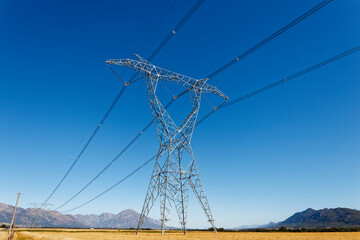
(11, 229)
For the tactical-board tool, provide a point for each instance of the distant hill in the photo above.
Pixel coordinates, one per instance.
(26, 217)
(310, 218)
(126, 219)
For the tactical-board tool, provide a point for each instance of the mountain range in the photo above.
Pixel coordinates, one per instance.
(310, 218)
(47, 218)
(125, 219)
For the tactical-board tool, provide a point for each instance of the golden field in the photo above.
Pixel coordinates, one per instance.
(174, 235)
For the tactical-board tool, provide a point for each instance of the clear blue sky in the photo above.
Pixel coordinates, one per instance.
(291, 148)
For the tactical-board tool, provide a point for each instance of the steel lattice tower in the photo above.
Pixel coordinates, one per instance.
(175, 168)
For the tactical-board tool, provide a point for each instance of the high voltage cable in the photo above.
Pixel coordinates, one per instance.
(123, 179)
(271, 37)
(157, 50)
(156, 26)
(241, 56)
(294, 76)
(119, 155)
(110, 163)
(268, 87)
(176, 29)
(107, 166)
(87, 143)
(284, 80)
(173, 32)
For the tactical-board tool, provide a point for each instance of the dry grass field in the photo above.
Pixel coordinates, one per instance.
(174, 235)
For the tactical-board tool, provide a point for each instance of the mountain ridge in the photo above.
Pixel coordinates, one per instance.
(323, 218)
(310, 218)
(30, 217)
(125, 219)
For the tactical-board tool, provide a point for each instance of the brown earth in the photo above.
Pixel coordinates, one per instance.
(174, 235)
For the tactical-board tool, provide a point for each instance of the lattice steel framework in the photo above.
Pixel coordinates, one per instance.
(171, 177)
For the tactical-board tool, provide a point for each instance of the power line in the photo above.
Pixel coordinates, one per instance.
(240, 57)
(156, 51)
(176, 28)
(173, 32)
(112, 161)
(271, 37)
(156, 26)
(268, 87)
(87, 143)
(119, 155)
(123, 179)
(284, 80)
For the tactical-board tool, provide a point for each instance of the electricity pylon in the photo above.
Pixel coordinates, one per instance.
(175, 168)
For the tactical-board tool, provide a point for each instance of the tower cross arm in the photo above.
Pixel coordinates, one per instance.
(148, 70)
(207, 88)
(141, 67)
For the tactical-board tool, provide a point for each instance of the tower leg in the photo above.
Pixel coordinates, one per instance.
(181, 202)
(198, 189)
(166, 192)
(164, 210)
(182, 196)
(151, 195)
